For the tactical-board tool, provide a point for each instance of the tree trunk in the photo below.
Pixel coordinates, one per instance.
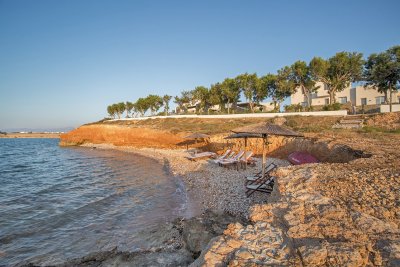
(390, 99)
(386, 97)
(251, 106)
(332, 99)
(306, 95)
(229, 107)
(234, 106)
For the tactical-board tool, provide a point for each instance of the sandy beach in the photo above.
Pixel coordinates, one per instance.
(210, 186)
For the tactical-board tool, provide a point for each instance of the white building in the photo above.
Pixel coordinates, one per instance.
(358, 96)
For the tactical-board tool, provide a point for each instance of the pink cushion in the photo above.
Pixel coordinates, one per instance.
(298, 158)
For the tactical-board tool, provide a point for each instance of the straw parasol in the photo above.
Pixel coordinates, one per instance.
(243, 135)
(266, 129)
(196, 136)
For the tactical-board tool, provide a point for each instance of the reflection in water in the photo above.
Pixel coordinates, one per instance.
(59, 203)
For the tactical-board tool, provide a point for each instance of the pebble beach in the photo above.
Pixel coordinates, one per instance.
(209, 186)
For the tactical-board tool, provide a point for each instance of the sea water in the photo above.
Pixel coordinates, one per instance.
(63, 203)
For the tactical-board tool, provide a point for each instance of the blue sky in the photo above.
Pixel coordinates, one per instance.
(63, 62)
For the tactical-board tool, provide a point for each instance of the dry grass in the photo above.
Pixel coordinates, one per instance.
(216, 126)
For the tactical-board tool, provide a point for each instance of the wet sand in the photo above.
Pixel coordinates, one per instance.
(30, 135)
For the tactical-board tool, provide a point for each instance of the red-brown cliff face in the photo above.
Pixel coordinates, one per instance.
(121, 136)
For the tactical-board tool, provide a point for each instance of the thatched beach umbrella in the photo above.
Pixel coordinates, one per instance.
(243, 135)
(196, 136)
(266, 129)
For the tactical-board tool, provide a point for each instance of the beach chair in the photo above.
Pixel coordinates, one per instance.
(202, 155)
(230, 156)
(246, 158)
(265, 185)
(234, 160)
(223, 156)
(268, 169)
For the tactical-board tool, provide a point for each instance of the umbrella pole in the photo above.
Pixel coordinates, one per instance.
(245, 148)
(264, 156)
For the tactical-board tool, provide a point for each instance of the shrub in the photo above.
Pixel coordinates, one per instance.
(334, 106)
(294, 108)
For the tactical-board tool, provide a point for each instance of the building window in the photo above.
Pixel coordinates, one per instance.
(343, 100)
(326, 101)
(314, 95)
(363, 101)
(304, 104)
(326, 88)
(380, 100)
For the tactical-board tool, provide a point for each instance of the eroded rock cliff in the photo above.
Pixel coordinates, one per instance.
(342, 214)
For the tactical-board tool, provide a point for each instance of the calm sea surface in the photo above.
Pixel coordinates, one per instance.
(62, 203)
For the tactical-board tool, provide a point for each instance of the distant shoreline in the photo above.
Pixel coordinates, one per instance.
(30, 135)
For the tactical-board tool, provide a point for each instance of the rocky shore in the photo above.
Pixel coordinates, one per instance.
(342, 214)
(344, 211)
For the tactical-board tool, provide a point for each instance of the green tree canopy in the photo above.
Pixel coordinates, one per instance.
(338, 71)
(217, 96)
(111, 111)
(247, 83)
(230, 92)
(383, 71)
(129, 106)
(301, 78)
(154, 102)
(166, 99)
(142, 105)
(202, 95)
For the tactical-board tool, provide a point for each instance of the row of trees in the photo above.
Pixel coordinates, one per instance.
(140, 107)
(381, 70)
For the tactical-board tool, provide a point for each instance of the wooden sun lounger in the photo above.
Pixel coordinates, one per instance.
(264, 185)
(234, 160)
(246, 159)
(268, 169)
(224, 156)
(202, 155)
(230, 156)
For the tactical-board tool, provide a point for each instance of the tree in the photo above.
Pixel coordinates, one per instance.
(262, 88)
(301, 77)
(202, 95)
(129, 106)
(279, 86)
(111, 111)
(217, 96)
(120, 108)
(166, 99)
(230, 89)
(383, 71)
(337, 72)
(142, 105)
(247, 83)
(184, 100)
(154, 102)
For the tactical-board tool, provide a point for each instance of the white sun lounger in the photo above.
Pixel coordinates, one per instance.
(202, 155)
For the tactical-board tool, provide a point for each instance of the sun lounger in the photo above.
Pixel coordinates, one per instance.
(202, 155)
(230, 156)
(246, 159)
(264, 185)
(268, 169)
(224, 156)
(234, 160)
